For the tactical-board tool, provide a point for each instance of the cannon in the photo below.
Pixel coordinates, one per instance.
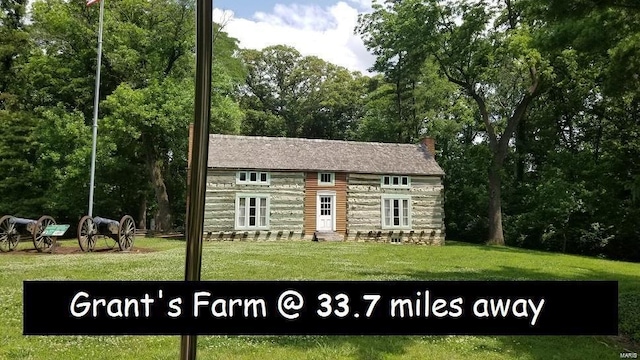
(12, 228)
(121, 232)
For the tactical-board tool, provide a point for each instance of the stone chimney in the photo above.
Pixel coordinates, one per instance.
(430, 144)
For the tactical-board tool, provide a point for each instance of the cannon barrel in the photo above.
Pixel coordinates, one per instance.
(106, 226)
(23, 226)
(123, 231)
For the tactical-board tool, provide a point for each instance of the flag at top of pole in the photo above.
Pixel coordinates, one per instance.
(91, 2)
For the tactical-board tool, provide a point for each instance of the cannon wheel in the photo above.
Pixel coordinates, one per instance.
(87, 233)
(111, 241)
(126, 233)
(43, 243)
(8, 238)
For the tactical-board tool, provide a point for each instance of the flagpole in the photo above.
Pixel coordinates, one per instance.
(95, 111)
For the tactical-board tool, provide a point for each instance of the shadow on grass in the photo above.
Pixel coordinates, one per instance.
(364, 347)
(538, 347)
(516, 250)
(529, 347)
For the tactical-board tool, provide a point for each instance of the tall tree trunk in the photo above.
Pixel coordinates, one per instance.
(521, 150)
(142, 214)
(499, 145)
(498, 153)
(164, 210)
(154, 165)
(496, 235)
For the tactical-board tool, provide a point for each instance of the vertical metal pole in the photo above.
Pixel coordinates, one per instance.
(95, 111)
(198, 171)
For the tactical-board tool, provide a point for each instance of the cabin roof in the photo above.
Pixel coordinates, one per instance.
(296, 154)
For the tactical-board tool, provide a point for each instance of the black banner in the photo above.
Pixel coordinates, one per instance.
(321, 307)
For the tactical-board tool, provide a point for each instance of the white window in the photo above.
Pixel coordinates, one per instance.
(396, 212)
(327, 179)
(253, 178)
(396, 181)
(252, 211)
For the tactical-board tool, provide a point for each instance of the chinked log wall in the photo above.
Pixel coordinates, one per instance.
(358, 207)
(286, 206)
(364, 210)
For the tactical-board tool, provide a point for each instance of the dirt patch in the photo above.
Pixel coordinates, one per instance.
(67, 250)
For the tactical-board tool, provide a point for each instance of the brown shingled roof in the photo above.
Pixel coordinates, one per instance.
(275, 153)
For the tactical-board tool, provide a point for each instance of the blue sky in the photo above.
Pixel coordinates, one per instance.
(322, 28)
(246, 8)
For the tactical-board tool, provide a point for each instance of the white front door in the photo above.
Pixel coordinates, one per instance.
(325, 212)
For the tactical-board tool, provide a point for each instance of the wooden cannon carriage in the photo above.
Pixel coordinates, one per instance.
(121, 232)
(12, 228)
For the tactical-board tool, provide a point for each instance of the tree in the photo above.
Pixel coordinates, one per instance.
(14, 47)
(287, 94)
(272, 89)
(20, 194)
(17, 152)
(336, 108)
(146, 103)
(482, 47)
(62, 157)
(228, 76)
(147, 51)
(379, 122)
(152, 123)
(593, 110)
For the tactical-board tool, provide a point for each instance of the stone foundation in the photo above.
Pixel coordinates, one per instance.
(262, 235)
(423, 237)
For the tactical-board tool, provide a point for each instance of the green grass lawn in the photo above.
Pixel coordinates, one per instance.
(315, 261)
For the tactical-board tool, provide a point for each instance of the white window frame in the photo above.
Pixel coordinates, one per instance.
(392, 197)
(247, 174)
(330, 183)
(390, 185)
(246, 215)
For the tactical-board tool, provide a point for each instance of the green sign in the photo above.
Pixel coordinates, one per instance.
(55, 230)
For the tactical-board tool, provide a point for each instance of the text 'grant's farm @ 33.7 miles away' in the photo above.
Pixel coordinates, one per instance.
(323, 307)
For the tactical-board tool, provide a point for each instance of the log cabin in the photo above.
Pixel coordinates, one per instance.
(273, 188)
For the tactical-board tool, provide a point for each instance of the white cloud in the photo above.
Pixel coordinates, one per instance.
(299, 17)
(363, 4)
(324, 32)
